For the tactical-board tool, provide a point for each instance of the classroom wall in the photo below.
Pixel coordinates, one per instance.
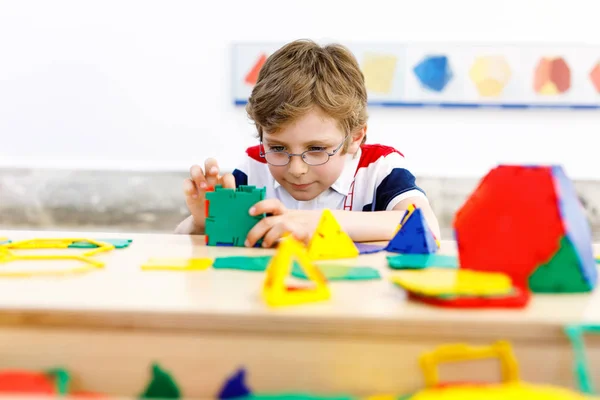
(144, 85)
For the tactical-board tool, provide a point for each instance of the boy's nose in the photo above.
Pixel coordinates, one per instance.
(297, 166)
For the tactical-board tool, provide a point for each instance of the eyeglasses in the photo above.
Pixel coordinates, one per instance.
(311, 157)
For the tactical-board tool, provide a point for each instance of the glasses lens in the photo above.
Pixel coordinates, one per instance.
(277, 158)
(315, 157)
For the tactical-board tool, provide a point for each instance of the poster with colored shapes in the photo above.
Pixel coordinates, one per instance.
(460, 75)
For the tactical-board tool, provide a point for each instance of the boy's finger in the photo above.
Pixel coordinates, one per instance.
(260, 229)
(189, 188)
(198, 177)
(268, 206)
(228, 181)
(212, 171)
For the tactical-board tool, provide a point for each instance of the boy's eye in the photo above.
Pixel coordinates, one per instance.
(316, 148)
(276, 148)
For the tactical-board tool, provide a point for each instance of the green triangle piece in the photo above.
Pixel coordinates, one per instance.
(562, 274)
(162, 385)
(62, 380)
(243, 263)
(421, 261)
(336, 272)
(118, 243)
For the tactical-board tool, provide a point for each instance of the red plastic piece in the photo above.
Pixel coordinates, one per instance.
(518, 300)
(25, 382)
(511, 223)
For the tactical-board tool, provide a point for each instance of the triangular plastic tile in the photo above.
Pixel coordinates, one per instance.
(329, 240)
(275, 291)
(414, 237)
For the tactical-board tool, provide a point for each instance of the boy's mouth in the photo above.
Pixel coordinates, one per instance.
(300, 187)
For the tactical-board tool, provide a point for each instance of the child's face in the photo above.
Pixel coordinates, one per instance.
(314, 131)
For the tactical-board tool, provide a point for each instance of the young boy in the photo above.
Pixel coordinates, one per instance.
(309, 106)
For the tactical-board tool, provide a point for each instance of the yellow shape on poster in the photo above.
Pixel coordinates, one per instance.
(490, 75)
(177, 264)
(449, 282)
(379, 70)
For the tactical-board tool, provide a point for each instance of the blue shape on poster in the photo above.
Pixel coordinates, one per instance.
(434, 72)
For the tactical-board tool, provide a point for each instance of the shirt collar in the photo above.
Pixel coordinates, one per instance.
(344, 181)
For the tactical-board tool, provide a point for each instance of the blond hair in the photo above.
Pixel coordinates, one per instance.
(302, 75)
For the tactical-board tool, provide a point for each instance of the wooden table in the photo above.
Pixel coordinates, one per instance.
(108, 326)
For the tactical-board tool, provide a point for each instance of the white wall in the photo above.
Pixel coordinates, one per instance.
(145, 84)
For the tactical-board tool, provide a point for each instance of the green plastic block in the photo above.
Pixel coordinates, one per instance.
(118, 243)
(228, 221)
(421, 261)
(335, 272)
(161, 386)
(243, 263)
(62, 380)
(562, 274)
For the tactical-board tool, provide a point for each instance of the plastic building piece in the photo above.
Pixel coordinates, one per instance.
(490, 75)
(366, 248)
(575, 334)
(118, 243)
(440, 281)
(420, 261)
(161, 386)
(434, 73)
(276, 293)
(177, 264)
(334, 272)
(227, 219)
(26, 382)
(519, 298)
(552, 76)
(506, 391)
(8, 254)
(235, 386)
(243, 263)
(329, 241)
(515, 221)
(459, 352)
(62, 380)
(414, 236)
(561, 273)
(297, 396)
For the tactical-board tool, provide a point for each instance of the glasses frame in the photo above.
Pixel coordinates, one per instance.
(263, 154)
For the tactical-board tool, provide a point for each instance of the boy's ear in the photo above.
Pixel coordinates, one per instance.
(356, 140)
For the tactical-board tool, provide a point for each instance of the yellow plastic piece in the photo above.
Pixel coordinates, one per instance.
(509, 391)
(276, 293)
(459, 282)
(502, 350)
(329, 240)
(177, 264)
(7, 254)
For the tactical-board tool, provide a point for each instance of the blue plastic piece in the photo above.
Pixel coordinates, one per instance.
(366, 248)
(414, 237)
(434, 72)
(235, 386)
(576, 225)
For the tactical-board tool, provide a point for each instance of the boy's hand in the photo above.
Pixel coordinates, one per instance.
(299, 223)
(195, 188)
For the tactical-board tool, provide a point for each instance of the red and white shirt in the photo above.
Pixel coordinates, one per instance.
(374, 179)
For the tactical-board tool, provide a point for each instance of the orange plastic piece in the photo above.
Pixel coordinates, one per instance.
(329, 240)
(502, 350)
(275, 291)
(25, 382)
(7, 254)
